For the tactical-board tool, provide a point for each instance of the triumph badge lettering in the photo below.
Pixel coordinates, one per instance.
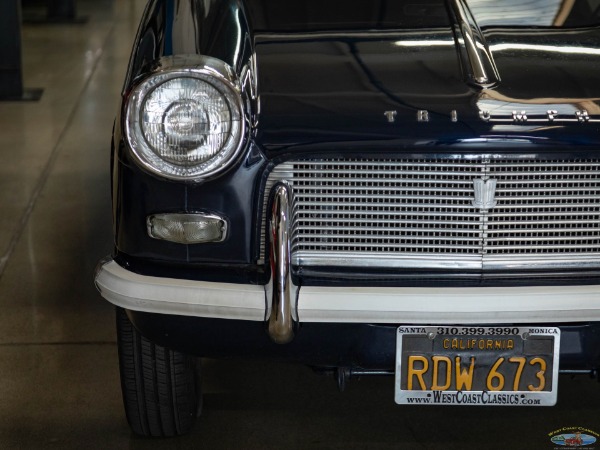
(485, 193)
(524, 117)
(519, 116)
(391, 116)
(582, 116)
(422, 115)
(516, 117)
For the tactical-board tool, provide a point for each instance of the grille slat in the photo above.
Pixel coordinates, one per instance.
(374, 237)
(372, 207)
(309, 231)
(546, 214)
(404, 213)
(359, 245)
(326, 192)
(406, 222)
(390, 215)
(563, 189)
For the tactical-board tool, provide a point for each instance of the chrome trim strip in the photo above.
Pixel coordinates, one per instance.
(378, 260)
(481, 69)
(130, 290)
(448, 262)
(543, 262)
(280, 290)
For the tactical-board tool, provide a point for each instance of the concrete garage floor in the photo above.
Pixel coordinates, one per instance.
(59, 386)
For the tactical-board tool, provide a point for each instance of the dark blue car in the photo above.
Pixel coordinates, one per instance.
(366, 187)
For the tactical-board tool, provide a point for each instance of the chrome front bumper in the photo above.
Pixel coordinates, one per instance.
(282, 305)
(537, 304)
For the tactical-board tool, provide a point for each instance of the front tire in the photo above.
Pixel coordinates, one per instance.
(160, 392)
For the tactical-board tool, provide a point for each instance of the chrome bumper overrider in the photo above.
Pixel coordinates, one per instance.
(281, 292)
(282, 305)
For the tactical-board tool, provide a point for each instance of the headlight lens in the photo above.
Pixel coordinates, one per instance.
(185, 124)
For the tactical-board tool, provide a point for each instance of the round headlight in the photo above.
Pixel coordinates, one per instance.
(185, 124)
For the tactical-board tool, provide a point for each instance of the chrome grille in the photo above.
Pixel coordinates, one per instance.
(419, 213)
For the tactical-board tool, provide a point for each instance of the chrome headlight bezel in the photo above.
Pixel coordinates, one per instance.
(207, 70)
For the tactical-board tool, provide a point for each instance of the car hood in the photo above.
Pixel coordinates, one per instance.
(400, 77)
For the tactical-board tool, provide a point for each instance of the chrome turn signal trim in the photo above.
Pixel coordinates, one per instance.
(197, 228)
(282, 294)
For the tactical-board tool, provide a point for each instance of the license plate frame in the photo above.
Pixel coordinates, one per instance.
(524, 347)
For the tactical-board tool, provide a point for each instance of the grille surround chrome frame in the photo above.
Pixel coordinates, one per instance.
(547, 215)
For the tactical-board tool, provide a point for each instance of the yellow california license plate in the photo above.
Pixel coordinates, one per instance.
(466, 365)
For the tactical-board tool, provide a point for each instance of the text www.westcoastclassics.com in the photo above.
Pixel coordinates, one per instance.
(473, 398)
